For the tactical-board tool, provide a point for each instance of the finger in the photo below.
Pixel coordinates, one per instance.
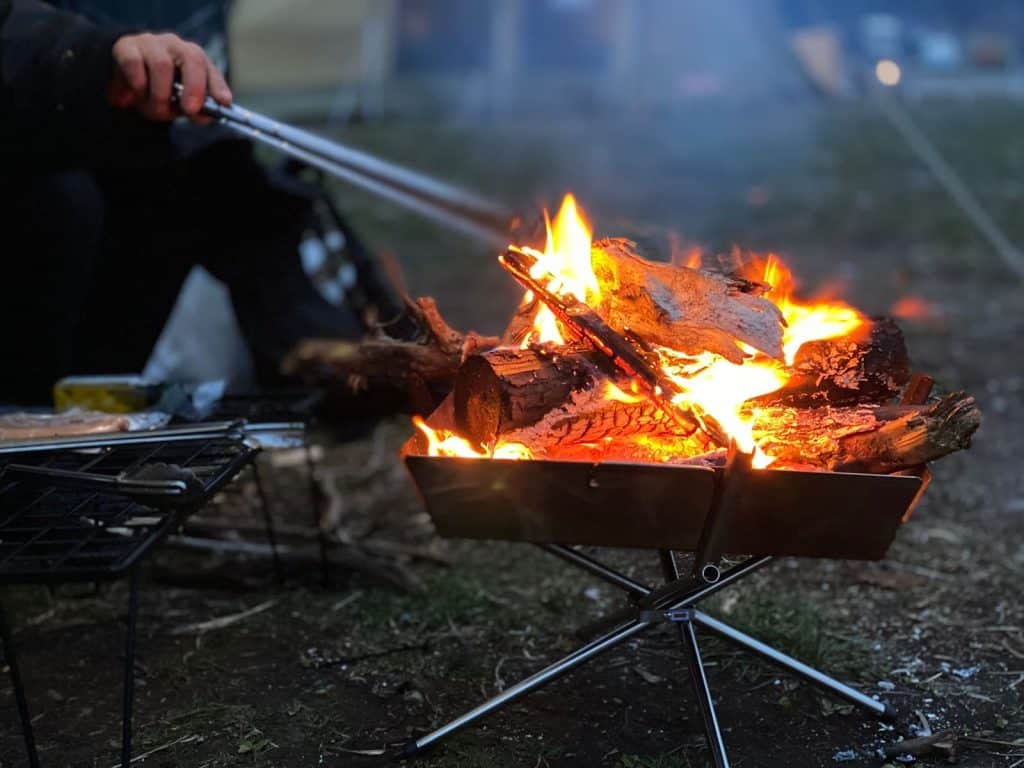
(130, 65)
(192, 65)
(217, 85)
(160, 68)
(121, 94)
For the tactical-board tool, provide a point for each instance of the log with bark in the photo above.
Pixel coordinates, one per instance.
(868, 439)
(870, 365)
(408, 369)
(553, 400)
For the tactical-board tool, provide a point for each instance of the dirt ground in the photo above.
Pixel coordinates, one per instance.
(332, 674)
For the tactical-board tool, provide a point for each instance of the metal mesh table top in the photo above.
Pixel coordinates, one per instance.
(56, 532)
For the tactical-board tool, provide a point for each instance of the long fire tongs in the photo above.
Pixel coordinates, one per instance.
(436, 200)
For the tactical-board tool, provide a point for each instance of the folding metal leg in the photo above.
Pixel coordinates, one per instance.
(268, 522)
(19, 690)
(128, 698)
(809, 673)
(546, 675)
(640, 621)
(699, 680)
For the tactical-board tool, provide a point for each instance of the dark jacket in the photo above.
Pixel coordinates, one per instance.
(55, 71)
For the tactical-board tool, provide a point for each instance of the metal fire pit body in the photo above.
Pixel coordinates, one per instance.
(778, 512)
(704, 510)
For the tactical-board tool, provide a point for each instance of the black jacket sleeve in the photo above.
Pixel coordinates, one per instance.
(55, 71)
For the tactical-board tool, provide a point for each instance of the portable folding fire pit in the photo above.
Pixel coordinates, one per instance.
(707, 511)
(632, 403)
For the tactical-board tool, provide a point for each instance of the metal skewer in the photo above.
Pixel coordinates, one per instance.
(436, 200)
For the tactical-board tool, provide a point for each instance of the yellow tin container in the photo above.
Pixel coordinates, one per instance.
(110, 394)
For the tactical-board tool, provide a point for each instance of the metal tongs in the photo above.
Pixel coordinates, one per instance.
(429, 197)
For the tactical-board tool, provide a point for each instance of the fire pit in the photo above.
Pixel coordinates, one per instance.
(672, 407)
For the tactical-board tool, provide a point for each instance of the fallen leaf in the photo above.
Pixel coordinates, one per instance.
(649, 677)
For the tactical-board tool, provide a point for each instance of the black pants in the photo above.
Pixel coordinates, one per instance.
(93, 264)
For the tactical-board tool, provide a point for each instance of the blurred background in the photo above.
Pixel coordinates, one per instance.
(805, 127)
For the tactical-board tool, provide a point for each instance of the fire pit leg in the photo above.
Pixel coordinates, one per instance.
(878, 708)
(534, 681)
(699, 680)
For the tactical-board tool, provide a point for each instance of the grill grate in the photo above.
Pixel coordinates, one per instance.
(51, 532)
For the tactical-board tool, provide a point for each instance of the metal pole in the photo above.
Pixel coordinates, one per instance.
(128, 697)
(19, 690)
(811, 674)
(418, 192)
(700, 687)
(268, 521)
(315, 498)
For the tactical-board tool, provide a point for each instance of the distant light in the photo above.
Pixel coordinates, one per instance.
(888, 72)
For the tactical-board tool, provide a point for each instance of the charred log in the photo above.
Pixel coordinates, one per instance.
(504, 389)
(866, 439)
(870, 365)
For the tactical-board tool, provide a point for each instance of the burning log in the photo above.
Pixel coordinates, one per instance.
(866, 439)
(504, 389)
(630, 354)
(589, 423)
(690, 310)
(870, 365)
(567, 394)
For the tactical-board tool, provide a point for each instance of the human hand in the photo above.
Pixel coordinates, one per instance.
(145, 66)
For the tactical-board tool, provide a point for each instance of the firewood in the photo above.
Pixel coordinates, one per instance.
(507, 388)
(383, 363)
(689, 310)
(860, 439)
(870, 365)
(627, 352)
(589, 421)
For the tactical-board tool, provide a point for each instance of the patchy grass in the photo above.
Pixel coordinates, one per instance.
(798, 627)
(673, 760)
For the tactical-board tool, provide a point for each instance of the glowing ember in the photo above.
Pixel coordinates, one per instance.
(914, 308)
(612, 392)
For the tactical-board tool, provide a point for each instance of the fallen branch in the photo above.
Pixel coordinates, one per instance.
(222, 622)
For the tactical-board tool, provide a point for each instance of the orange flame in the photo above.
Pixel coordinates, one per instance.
(442, 442)
(566, 258)
(805, 321)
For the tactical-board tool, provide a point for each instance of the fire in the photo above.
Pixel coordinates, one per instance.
(566, 258)
(612, 392)
(708, 384)
(442, 442)
(805, 321)
(721, 387)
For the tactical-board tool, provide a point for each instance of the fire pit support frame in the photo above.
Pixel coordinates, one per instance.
(674, 602)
